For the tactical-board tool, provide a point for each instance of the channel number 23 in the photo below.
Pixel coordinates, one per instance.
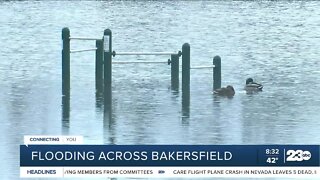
(298, 155)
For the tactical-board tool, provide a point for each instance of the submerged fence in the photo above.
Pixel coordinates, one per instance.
(103, 65)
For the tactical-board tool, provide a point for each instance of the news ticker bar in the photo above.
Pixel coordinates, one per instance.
(169, 155)
(169, 172)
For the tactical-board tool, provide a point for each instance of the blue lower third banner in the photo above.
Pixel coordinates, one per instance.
(169, 161)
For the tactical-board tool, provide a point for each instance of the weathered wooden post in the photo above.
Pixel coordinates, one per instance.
(99, 66)
(175, 72)
(185, 80)
(66, 61)
(217, 72)
(107, 45)
(185, 67)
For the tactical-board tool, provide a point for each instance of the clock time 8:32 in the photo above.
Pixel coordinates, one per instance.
(272, 151)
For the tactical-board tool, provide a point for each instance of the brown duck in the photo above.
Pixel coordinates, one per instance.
(225, 91)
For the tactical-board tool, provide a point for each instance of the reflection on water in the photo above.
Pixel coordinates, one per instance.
(65, 114)
(185, 106)
(275, 42)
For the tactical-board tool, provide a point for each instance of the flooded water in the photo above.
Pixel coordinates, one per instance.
(276, 43)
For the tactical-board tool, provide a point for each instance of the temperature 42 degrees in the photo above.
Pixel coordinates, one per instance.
(272, 160)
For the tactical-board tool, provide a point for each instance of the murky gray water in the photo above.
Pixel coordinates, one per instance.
(276, 43)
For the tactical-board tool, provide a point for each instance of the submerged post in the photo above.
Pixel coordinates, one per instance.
(217, 72)
(99, 66)
(107, 45)
(185, 67)
(66, 112)
(185, 80)
(175, 72)
(66, 61)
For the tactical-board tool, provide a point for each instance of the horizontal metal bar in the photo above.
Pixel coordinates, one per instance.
(83, 50)
(202, 67)
(129, 62)
(145, 53)
(84, 38)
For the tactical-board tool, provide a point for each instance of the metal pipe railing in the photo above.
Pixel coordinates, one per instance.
(83, 50)
(139, 62)
(202, 67)
(144, 53)
(84, 38)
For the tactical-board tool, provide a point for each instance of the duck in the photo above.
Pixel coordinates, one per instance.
(252, 86)
(225, 91)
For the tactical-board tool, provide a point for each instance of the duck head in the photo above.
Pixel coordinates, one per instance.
(249, 80)
(231, 90)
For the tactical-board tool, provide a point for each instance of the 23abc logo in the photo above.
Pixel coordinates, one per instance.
(298, 155)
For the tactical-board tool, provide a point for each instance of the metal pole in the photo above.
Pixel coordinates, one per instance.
(217, 72)
(175, 72)
(99, 66)
(107, 45)
(185, 67)
(66, 61)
